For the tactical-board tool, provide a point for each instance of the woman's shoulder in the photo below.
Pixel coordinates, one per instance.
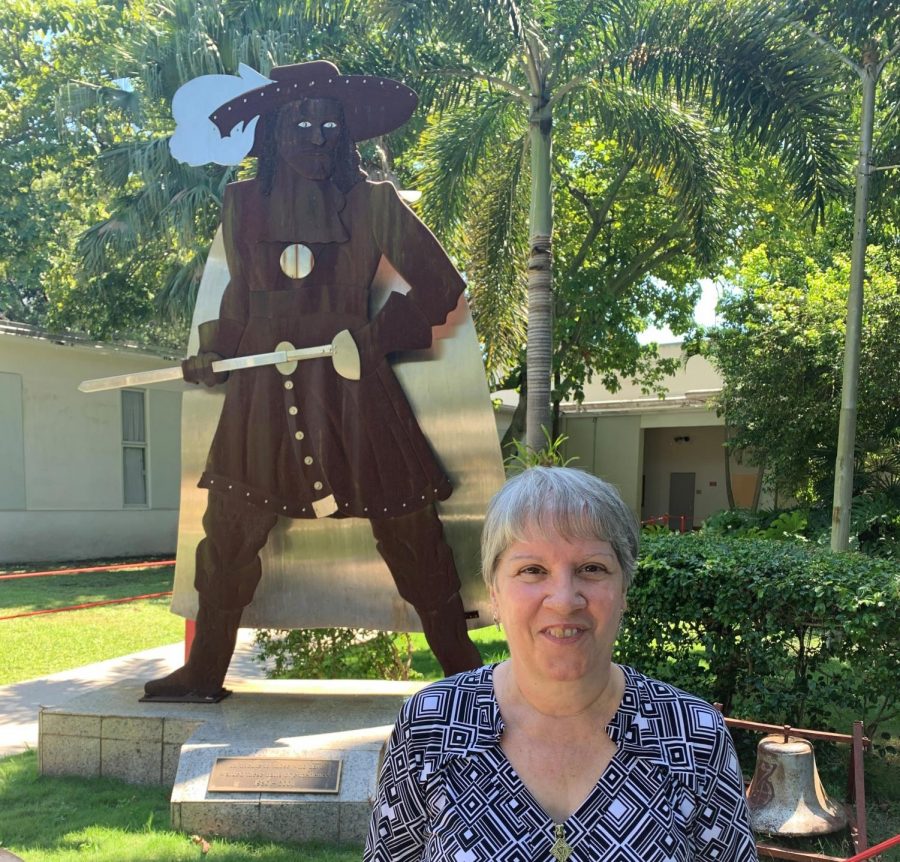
(691, 732)
(461, 706)
(657, 691)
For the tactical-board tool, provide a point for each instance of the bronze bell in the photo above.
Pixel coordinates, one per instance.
(786, 796)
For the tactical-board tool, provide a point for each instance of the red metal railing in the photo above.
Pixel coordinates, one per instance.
(86, 605)
(156, 564)
(874, 851)
(666, 519)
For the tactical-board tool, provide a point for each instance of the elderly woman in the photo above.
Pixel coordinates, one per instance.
(558, 753)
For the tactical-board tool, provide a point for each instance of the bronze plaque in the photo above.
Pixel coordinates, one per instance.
(275, 775)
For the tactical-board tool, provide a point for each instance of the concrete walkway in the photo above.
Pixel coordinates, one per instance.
(21, 701)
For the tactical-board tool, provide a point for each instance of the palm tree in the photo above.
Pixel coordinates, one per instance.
(640, 191)
(550, 58)
(870, 32)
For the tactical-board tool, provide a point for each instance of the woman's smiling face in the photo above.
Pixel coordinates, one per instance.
(560, 600)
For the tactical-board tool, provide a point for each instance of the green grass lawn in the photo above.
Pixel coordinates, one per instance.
(40, 645)
(68, 819)
(57, 591)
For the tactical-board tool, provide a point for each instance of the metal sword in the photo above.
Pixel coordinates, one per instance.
(342, 350)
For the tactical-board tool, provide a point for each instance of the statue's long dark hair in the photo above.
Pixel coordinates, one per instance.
(347, 172)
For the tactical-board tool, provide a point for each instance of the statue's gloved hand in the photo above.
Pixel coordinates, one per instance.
(398, 326)
(371, 351)
(198, 369)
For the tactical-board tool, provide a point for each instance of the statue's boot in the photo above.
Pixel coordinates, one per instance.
(211, 651)
(447, 635)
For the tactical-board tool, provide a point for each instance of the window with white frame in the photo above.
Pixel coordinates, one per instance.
(134, 447)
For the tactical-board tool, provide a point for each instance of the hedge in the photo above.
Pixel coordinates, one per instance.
(775, 631)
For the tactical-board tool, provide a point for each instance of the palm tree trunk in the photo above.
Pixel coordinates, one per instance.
(517, 424)
(539, 350)
(843, 468)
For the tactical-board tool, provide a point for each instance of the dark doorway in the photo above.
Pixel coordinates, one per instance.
(681, 501)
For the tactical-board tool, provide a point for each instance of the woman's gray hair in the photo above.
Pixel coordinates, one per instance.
(562, 500)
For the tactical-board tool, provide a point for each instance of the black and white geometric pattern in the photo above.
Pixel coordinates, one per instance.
(447, 793)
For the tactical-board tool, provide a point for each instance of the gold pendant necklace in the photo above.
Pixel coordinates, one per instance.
(560, 851)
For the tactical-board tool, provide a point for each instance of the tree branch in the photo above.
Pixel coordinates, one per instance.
(596, 214)
(565, 89)
(613, 189)
(588, 7)
(647, 261)
(532, 57)
(588, 241)
(887, 58)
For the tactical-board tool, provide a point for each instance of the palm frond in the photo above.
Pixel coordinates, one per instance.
(181, 282)
(452, 151)
(584, 31)
(158, 198)
(490, 30)
(750, 65)
(77, 97)
(496, 241)
(664, 138)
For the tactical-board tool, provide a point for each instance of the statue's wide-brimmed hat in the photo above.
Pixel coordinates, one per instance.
(372, 106)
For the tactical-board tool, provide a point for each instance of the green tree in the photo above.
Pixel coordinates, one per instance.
(865, 36)
(46, 168)
(637, 237)
(552, 59)
(779, 349)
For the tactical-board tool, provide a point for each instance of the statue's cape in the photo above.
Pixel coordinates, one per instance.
(323, 573)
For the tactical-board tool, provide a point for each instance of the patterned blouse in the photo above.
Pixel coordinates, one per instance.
(671, 793)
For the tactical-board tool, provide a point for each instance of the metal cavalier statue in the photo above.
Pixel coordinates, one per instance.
(303, 241)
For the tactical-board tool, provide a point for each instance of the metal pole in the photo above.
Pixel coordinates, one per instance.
(843, 468)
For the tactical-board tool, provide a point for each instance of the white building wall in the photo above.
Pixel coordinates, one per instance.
(61, 462)
(697, 373)
(610, 447)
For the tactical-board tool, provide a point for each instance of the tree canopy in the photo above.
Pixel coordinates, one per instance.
(779, 347)
(48, 166)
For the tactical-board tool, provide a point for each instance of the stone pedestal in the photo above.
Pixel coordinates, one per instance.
(343, 816)
(109, 733)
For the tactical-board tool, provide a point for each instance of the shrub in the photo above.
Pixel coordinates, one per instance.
(736, 522)
(775, 631)
(874, 524)
(339, 653)
(550, 455)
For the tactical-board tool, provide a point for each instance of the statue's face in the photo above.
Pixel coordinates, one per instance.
(307, 135)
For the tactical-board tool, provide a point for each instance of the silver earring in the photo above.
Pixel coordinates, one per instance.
(497, 621)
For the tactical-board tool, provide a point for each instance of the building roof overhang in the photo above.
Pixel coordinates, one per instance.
(80, 340)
